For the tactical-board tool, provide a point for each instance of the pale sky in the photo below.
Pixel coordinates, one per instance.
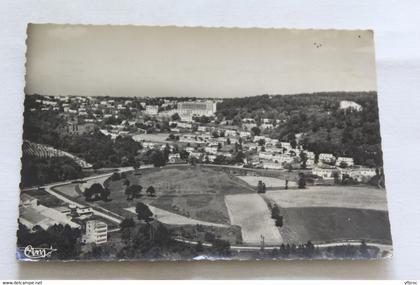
(200, 62)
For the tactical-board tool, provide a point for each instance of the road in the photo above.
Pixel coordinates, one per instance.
(381, 247)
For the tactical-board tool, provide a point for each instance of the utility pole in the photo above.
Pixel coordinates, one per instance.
(262, 242)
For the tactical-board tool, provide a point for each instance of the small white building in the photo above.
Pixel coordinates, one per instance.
(272, 165)
(96, 232)
(230, 133)
(267, 126)
(344, 105)
(244, 134)
(174, 157)
(325, 172)
(152, 109)
(285, 145)
(326, 157)
(265, 155)
(211, 149)
(347, 160)
(258, 138)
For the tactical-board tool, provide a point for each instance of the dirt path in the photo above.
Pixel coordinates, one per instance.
(251, 213)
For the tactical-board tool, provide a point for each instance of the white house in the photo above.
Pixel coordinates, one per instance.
(174, 157)
(285, 145)
(344, 105)
(347, 160)
(230, 133)
(258, 138)
(96, 232)
(272, 165)
(244, 134)
(152, 109)
(265, 155)
(211, 149)
(326, 157)
(326, 172)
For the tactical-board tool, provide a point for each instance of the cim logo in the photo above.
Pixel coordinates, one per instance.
(38, 252)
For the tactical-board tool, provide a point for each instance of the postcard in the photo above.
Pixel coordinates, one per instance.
(192, 143)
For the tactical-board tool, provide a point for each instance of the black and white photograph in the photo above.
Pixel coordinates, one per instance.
(192, 143)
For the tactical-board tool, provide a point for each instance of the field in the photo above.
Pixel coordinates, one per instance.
(334, 224)
(332, 213)
(251, 213)
(331, 196)
(221, 202)
(270, 182)
(191, 191)
(183, 180)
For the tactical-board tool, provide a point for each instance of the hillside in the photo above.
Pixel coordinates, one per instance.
(323, 125)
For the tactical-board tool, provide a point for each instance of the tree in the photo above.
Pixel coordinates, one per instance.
(275, 212)
(133, 191)
(105, 194)
(363, 249)
(221, 247)
(151, 191)
(199, 247)
(261, 188)
(302, 181)
(303, 159)
(126, 227)
(343, 164)
(286, 186)
(127, 223)
(183, 154)
(256, 131)
(94, 192)
(192, 160)
(336, 176)
(143, 212)
(175, 117)
(166, 151)
(115, 176)
(279, 221)
(157, 158)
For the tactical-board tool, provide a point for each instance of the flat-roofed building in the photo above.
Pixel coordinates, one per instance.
(96, 232)
(32, 214)
(196, 108)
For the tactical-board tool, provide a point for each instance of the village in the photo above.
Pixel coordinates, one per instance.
(187, 132)
(191, 131)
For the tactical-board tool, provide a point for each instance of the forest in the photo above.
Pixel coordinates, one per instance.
(316, 122)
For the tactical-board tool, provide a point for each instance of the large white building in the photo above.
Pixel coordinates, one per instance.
(344, 105)
(96, 232)
(196, 108)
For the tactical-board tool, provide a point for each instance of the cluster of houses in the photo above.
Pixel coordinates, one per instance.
(206, 142)
(33, 215)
